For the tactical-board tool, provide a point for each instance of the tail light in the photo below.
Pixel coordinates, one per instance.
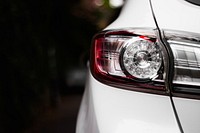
(131, 59)
(186, 53)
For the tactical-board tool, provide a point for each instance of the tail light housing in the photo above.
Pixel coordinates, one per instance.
(186, 54)
(131, 59)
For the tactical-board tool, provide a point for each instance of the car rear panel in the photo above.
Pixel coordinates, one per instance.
(121, 111)
(107, 109)
(135, 13)
(188, 112)
(182, 16)
(177, 15)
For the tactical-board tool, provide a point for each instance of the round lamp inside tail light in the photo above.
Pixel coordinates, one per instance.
(141, 59)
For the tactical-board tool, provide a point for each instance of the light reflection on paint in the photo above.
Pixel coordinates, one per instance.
(116, 3)
(130, 126)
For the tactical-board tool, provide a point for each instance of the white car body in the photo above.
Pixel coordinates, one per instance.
(107, 109)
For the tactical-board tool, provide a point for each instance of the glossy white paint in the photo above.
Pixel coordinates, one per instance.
(122, 111)
(86, 122)
(183, 16)
(135, 13)
(106, 109)
(177, 15)
(189, 114)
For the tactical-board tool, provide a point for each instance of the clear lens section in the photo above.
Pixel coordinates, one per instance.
(107, 55)
(187, 62)
(186, 52)
(142, 58)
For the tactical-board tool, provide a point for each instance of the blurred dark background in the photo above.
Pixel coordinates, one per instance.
(45, 46)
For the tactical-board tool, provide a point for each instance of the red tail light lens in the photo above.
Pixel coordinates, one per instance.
(131, 59)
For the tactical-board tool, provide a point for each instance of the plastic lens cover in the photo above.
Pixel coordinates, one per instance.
(142, 58)
(186, 53)
(134, 55)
